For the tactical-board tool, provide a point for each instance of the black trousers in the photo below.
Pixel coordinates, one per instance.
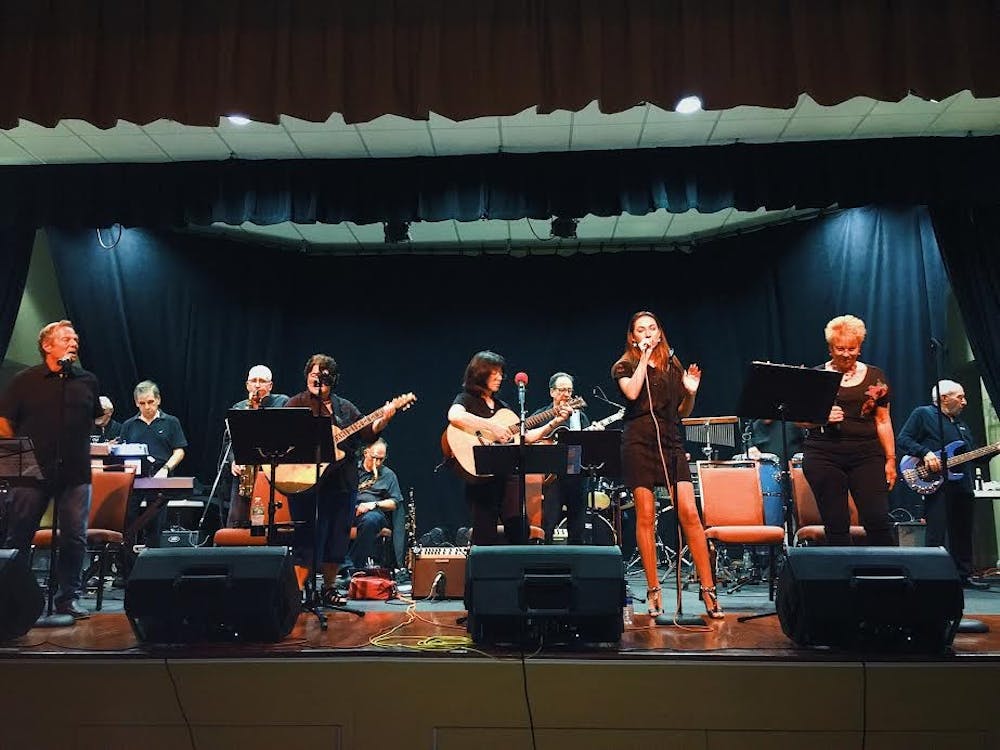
(858, 467)
(496, 501)
(949, 513)
(566, 491)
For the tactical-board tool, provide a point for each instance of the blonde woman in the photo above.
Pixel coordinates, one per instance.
(855, 449)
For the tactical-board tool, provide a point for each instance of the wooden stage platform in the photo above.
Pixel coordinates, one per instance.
(405, 678)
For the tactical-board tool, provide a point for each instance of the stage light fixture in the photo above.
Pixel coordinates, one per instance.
(688, 105)
(564, 228)
(397, 231)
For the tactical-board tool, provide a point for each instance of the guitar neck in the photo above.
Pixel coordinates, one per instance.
(341, 434)
(974, 454)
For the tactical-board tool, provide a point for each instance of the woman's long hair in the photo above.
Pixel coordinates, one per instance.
(478, 371)
(661, 358)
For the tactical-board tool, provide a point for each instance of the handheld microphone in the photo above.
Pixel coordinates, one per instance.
(65, 362)
(325, 378)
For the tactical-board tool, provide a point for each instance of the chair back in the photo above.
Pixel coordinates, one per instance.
(110, 491)
(731, 494)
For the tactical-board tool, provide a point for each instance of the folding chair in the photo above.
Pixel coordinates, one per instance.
(732, 504)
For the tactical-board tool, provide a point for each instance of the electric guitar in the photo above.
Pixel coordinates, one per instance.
(292, 478)
(926, 482)
(598, 425)
(457, 444)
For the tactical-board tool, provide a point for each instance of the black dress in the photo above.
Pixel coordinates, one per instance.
(642, 439)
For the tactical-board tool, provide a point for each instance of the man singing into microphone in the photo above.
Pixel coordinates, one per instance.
(259, 396)
(54, 404)
(473, 411)
(323, 514)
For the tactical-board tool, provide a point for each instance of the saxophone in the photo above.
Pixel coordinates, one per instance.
(411, 532)
(248, 475)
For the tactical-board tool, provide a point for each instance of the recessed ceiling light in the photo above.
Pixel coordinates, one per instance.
(688, 104)
(238, 119)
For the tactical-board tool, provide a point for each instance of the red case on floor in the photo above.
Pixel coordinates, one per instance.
(367, 586)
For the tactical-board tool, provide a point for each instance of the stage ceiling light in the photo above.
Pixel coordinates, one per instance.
(397, 231)
(564, 228)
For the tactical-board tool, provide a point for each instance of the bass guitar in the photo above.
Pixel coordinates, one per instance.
(292, 478)
(457, 444)
(923, 481)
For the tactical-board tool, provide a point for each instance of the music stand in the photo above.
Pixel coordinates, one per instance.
(600, 455)
(504, 460)
(787, 393)
(283, 436)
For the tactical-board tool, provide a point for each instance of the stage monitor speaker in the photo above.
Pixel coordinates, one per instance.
(896, 600)
(21, 601)
(527, 595)
(183, 595)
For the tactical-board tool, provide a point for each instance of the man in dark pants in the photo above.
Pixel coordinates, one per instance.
(949, 510)
(164, 438)
(378, 498)
(54, 404)
(568, 490)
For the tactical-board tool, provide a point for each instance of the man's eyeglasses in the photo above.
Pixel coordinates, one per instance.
(564, 390)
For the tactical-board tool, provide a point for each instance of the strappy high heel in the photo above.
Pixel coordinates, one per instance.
(654, 602)
(710, 598)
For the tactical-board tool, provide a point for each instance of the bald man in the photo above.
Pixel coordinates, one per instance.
(260, 383)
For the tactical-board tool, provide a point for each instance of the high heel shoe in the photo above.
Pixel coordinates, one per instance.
(654, 602)
(710, 598)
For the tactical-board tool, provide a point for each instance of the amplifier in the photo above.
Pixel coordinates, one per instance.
(429, 561)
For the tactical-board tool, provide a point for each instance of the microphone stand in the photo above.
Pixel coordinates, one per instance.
(522, 486)
(53, 619)
(227, 445)
(678, 618)
(965, 625)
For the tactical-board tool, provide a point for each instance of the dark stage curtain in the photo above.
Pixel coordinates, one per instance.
(914, 171)
(969, 238)
(192, 61)
(15, 257)
(194, 314)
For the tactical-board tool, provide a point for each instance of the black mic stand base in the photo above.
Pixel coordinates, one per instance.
(54, 620)
(968, 625)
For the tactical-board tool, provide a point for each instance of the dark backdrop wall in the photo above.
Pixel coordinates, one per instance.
(193, 314)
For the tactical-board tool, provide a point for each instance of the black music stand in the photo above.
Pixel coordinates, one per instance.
(600, 455)
(504, 460)
(283, 436)
(787, 393)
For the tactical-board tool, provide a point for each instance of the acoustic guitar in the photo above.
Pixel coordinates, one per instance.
(292, 478)
(457, 444)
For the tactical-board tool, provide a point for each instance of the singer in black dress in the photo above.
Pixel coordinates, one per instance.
(659, 391)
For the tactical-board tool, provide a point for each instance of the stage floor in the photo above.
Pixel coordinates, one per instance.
(435, 627)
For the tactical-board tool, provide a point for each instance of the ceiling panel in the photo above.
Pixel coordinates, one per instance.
(644, 126)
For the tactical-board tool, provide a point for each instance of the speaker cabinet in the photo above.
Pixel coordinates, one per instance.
(544, 594)
(870, 598)
(218, 593)
(21, 601)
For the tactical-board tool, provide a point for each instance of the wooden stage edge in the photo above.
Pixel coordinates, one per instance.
(358, 686)
(437, 633)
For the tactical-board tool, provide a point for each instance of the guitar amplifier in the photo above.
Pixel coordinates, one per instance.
(429, 561)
